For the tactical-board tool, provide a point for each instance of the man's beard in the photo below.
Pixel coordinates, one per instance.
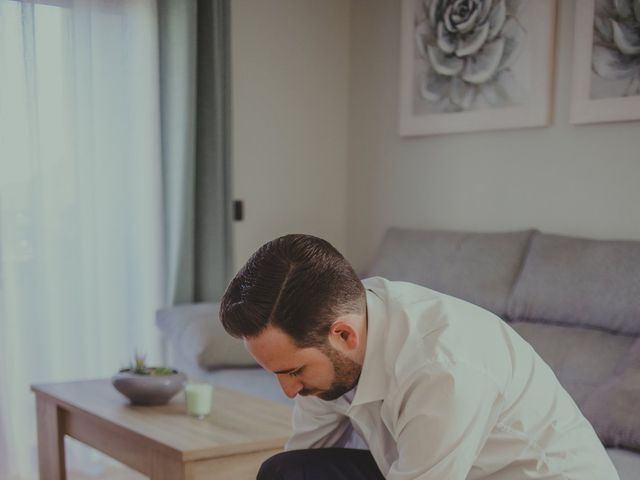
(346, 375)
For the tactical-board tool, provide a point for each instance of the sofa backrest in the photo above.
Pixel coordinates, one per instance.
(580, 282)
(478, 267)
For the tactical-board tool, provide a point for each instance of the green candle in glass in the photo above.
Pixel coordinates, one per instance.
(198, 399)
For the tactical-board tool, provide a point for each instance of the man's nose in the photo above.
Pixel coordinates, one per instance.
(290, 386)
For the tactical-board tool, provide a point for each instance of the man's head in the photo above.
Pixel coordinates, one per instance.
(301, 310)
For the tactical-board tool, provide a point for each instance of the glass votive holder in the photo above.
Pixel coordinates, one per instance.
(198, 399)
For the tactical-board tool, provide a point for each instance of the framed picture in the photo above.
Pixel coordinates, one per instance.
(606, 61)
(471, 65)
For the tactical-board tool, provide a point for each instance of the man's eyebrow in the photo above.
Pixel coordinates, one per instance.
(284, 372)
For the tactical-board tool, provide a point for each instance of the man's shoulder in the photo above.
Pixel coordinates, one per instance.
(395, 290)
(401, 295)
(425, 329)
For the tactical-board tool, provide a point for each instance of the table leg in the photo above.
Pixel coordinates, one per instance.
(50, 440)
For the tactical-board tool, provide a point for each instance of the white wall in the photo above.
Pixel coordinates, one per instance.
(290, 85)
(580, 180)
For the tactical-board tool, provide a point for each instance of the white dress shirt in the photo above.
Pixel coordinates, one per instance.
(448, 391)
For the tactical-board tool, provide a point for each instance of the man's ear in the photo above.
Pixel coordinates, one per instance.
(343, 335)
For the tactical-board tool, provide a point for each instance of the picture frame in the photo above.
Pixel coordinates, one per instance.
(447, 84)
(596, 95)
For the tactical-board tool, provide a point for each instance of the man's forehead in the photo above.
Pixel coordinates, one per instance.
(271, 337)
(273, 349)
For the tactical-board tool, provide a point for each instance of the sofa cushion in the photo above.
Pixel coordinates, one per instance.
(194, 331)
(613, 407)
(575, 281)
(582, 359)
(478, 267)
(627, 463)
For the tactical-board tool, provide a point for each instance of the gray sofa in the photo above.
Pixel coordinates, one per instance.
(576, 301)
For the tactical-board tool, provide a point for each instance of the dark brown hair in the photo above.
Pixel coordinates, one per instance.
(298, 283)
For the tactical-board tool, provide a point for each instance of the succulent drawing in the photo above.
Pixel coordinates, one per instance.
(616, 43)
(468, 48)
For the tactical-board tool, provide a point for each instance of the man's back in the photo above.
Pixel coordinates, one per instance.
(448, 390)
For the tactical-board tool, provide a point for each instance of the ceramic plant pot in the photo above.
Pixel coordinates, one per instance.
(143, 389)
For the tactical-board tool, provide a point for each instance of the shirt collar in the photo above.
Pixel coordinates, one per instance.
(372, 385)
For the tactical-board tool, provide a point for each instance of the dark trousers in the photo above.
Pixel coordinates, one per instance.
(321, 464)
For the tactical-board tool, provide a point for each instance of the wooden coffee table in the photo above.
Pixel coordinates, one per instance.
(160, 442)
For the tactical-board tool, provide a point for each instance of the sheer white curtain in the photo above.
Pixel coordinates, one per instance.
(80, 201)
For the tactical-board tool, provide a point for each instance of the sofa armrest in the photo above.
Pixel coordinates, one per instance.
(197, 341)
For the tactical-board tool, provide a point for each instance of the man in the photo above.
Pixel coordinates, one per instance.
(393, 380)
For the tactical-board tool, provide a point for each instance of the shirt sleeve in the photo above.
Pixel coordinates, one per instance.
(316, 425)
(443, 418)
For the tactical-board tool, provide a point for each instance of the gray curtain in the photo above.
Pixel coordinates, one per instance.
(196, 147)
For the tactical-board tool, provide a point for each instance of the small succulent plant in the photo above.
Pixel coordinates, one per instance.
(139, 367)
